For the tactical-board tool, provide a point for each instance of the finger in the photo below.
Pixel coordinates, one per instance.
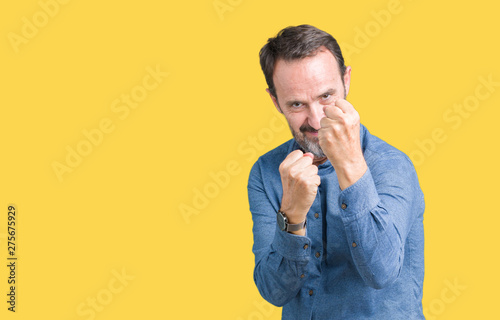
(344, 105)
(294, 156)
(316, 180)
(324, 122)
(291, 158)
(308, 154)
(303, 162)
(310, 171)
(333, 112)
(322, 132)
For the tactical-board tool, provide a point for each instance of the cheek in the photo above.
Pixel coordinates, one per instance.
(296, 120)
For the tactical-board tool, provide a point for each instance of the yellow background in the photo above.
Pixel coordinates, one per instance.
(119, 209)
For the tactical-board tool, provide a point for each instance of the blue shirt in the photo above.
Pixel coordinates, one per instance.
(363, 253)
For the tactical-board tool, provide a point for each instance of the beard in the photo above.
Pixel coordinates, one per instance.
(308, 144)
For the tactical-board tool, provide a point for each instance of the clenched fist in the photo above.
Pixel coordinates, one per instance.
(339, 139)
(300, 181)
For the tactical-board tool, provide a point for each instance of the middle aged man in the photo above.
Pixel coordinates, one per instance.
(338, 213)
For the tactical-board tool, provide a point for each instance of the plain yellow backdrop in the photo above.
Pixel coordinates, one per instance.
(128, 130)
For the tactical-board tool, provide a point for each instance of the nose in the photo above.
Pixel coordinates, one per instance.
(315, 115)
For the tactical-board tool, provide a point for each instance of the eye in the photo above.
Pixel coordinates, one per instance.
(326, 96)
(296, 104)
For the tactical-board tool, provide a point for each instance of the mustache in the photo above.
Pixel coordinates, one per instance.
(307, 128)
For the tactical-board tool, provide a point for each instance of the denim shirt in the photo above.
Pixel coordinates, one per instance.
(363, 253)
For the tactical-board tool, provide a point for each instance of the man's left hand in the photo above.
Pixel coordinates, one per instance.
(339, 139)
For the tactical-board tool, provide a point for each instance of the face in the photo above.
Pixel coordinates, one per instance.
(303, 88)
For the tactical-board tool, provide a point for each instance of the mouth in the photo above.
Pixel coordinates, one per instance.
(312, 133)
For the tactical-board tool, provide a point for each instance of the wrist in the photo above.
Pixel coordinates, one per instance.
(292, 216)
(290, 226)
(301, 232)
(348, 174)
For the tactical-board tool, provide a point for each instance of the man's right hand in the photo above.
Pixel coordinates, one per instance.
(300, 181)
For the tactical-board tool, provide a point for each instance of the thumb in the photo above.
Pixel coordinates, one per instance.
(308, 154)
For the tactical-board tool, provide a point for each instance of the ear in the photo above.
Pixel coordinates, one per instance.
(274, 101)
(347, 79)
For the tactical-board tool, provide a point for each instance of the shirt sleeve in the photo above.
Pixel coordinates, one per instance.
(280, 257)
(378, 211)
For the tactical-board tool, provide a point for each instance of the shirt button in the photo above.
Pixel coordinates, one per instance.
(306, 246)
(317, 254)
(302, 275)
(310, 292)
(354, 245)
(316, 215)
(343, 206)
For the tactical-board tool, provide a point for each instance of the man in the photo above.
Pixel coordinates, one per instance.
(337, 212)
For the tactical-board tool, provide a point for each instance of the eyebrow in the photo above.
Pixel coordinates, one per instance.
(330, 91)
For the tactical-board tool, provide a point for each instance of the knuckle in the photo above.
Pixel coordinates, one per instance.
(295, 153)
(344, 119)
(303, 184)
(315, 170)
(282, 168)
(328, 136)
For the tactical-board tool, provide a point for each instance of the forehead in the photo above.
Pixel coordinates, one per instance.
(307, 75)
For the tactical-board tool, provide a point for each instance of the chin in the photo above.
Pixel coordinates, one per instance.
(313, 148)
